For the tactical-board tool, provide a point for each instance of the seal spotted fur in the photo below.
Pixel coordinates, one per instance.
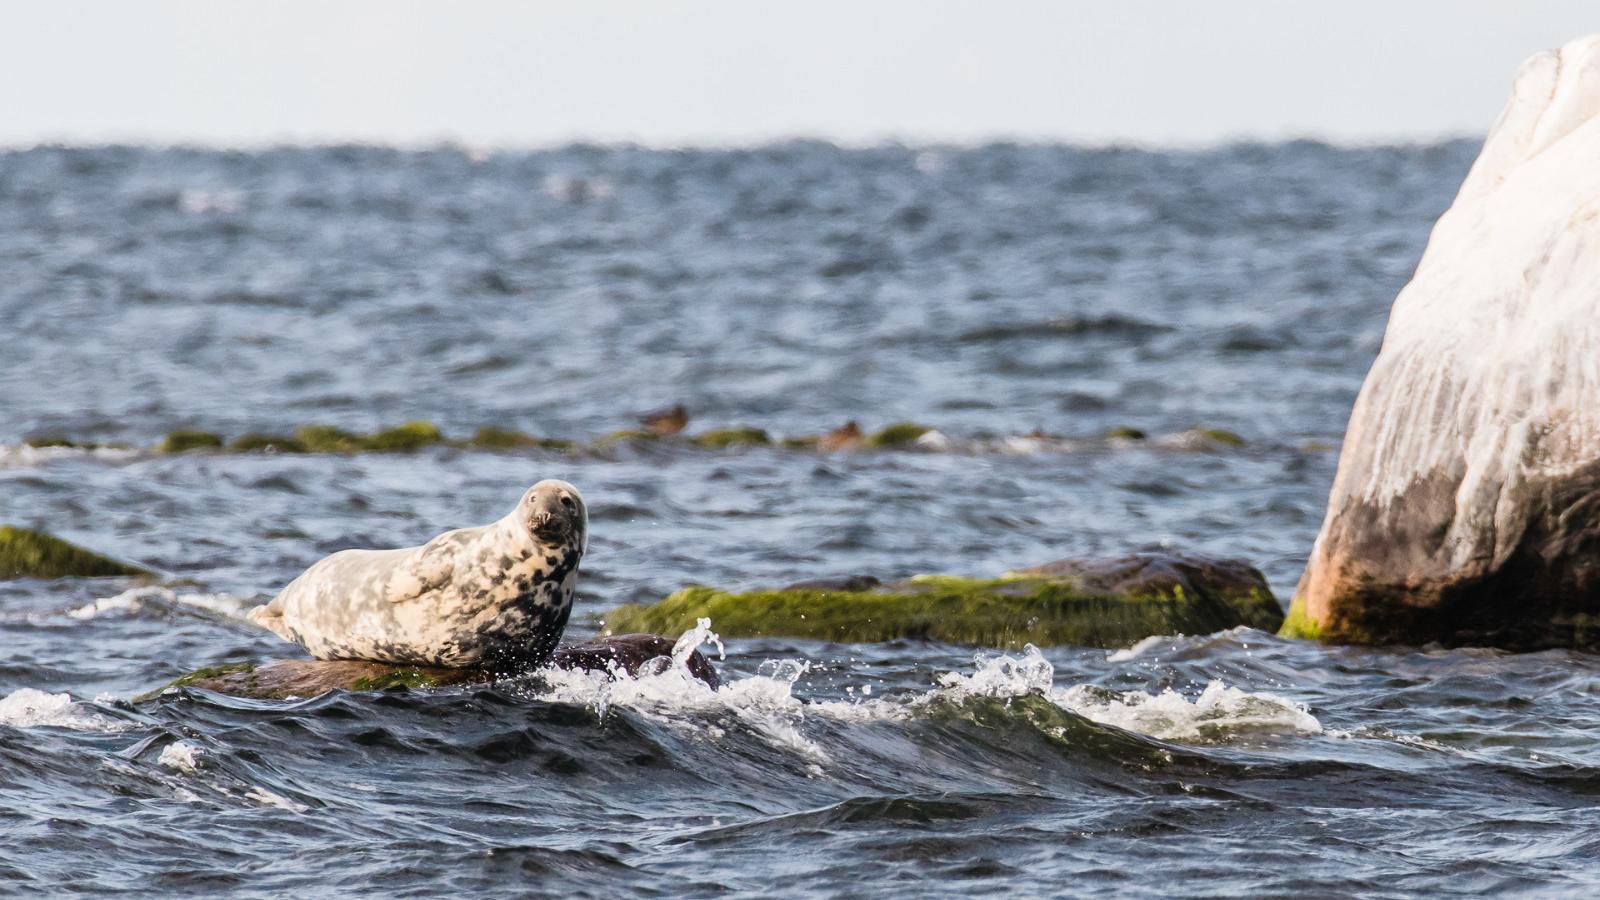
(493, 596)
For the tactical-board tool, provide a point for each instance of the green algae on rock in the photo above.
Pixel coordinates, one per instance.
(1126, 433)
(328, 439)
(410, 436)
(265, 443)
(1109, 603)
(1298, 625)
(897, 434)
(34, 554)
(184, 441)
(724, 438)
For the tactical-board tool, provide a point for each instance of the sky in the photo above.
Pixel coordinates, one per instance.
(695, 72)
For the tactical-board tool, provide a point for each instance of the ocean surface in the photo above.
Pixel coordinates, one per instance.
(989, 292)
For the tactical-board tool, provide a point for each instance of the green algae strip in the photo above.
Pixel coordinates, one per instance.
(409, 678)
(34, 554)
(1298, 625)
(205, 674)
(209, 672)
(1003, 613)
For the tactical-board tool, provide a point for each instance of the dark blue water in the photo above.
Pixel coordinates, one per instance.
(987, 292)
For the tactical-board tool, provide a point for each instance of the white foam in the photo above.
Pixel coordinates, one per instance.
(1220, 713)
(180, 757)
(31, 708)
(1142, 648)
(267, 798)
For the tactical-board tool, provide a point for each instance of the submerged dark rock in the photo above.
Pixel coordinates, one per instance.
(1096, 603)
(287, 678)
(628, 652)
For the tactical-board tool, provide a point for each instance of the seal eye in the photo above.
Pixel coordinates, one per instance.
(567, 502)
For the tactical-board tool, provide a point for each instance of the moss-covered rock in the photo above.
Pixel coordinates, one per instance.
(328, 439)
(41, 442)
(410, 436)
(184, 441)
(34, 554)
(898, 434)
(291, 678)
(1099, 603)
(723, 438)
(256, 442)
(1126, 433)
(1204, 439)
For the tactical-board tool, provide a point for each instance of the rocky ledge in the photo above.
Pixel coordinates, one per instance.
(1091, 603)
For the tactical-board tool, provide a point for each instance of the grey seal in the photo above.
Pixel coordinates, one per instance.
(494, 596)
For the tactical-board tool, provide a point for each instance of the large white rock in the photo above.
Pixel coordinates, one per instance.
(1466, 508)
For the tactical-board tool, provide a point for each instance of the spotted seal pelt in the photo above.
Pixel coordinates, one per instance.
(495, 596)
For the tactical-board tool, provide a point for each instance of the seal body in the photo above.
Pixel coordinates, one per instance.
(493, 596)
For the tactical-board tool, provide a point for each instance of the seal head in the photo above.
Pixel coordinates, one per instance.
(555, 514)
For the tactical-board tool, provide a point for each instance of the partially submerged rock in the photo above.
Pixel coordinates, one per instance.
(256, 442)
(34, 554)
(407, 437)
(1466, 509)
(410, 436)
(299, 678)
(184, 441)
(723, 438)
(897, 435)
(413, 436)
(1095, 603)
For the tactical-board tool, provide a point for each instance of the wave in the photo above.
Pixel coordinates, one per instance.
(766, 701)
(165, 601)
